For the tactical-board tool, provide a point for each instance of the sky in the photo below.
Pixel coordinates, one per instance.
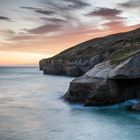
(33, 29)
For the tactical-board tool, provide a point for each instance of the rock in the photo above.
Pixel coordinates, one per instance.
(135, 107)
(81, 89)
(107, 84)
(90, 85)
(130, 69)
(96, 60)
(109, 69)
(42, 64)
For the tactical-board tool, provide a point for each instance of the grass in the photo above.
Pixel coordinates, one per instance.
(122, 55)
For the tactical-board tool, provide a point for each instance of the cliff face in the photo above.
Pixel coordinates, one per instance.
(111, 65)
(107, 84)
(82, 57)
(69, 65)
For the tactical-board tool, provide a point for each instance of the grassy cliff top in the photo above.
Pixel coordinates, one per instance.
(116, 47)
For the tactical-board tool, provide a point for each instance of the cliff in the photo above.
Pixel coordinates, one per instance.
(82, 57)
(107, 84)
(109, 69)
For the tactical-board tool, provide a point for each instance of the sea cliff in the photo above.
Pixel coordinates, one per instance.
(109, 69)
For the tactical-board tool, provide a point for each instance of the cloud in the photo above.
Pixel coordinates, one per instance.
(53, 20)
(76, 4)
(45, 29)
(106, 13)
(39, 10)
(66, 5)
(23, 37)
(5, 18)
(118, 26)
(131, 4)
(70, 11)
(45, 12)
(62, 15)
(6, 33)
(114, 24)
(29, 8)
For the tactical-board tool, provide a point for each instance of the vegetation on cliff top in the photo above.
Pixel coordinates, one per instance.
(115, 47)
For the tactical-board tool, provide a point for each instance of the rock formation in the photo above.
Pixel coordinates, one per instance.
(135, 107)
(111, 68)
(107, 84)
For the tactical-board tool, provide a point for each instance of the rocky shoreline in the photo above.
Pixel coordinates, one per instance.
(109, 69)
(106, 84)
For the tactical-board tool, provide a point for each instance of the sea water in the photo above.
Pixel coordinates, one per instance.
(31, 108)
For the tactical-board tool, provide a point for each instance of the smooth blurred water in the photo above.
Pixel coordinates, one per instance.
(31, 108)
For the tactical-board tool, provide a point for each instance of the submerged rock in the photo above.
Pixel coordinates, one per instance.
(135, 107)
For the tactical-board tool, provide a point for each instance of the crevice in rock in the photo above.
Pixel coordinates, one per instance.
(125, 88)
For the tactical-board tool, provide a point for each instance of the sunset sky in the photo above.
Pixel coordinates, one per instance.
(34, 29)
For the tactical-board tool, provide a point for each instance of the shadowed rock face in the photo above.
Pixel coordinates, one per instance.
(111, 68)
(69, 66)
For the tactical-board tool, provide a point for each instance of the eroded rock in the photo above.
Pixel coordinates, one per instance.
(107, 84)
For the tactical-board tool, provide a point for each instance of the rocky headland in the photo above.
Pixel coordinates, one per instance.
(108, 69)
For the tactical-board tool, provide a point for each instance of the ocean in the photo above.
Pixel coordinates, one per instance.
(31, 108)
